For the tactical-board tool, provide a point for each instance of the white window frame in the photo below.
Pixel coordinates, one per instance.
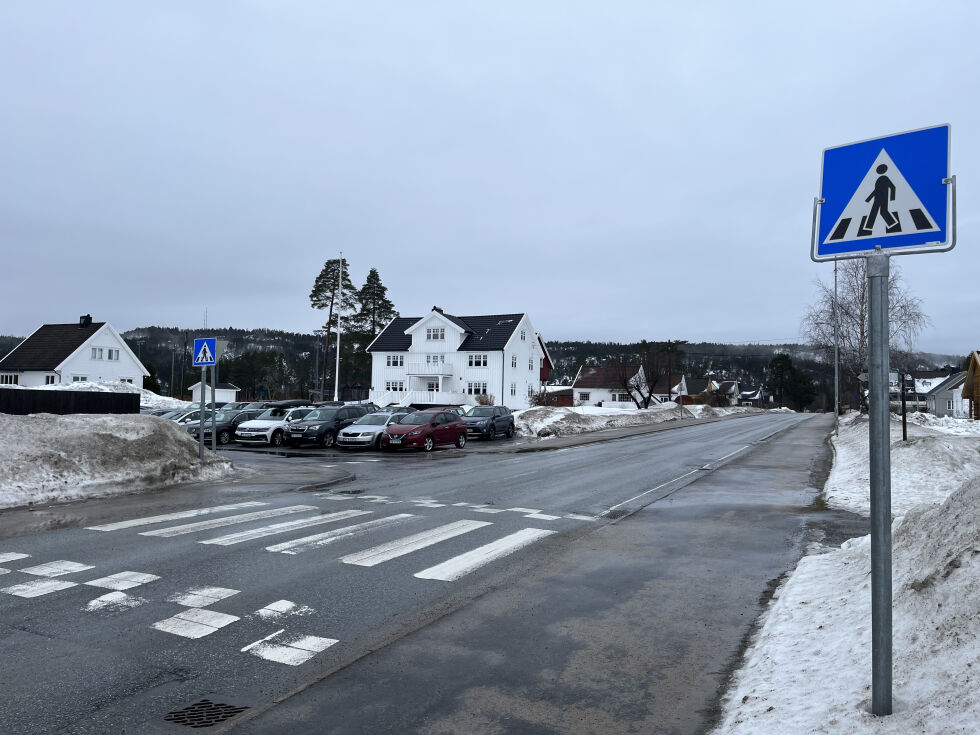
(113, 354)
(97, 353)
(10, 379)
(513, 361)
(436, 334)
(513, 389)
(949, 405)
(523, 335)
(395, 386)
(476, 388)
(584, 396)
(79, 378)
(530, 363)
(478, 360)
(50, 379)
(395, 361)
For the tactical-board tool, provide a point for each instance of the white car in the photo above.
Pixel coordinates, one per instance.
(367, 430)
(269, 428)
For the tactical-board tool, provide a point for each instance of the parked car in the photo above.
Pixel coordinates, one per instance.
(321, 425)
(269, 427)
(188, 416)
(368, 406)
(489, 421)
(425, 429)
(235, 406)
(399, 409)
(225, 424)
(452, 409)
(367, 430)
(260, 404)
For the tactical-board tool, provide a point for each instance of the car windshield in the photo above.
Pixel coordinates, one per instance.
(480, 411)
(273, 413)
(375, 419)
(223, 416)
(415, 418)
(321, 414)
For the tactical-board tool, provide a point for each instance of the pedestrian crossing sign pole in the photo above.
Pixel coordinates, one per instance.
(205, 354)
(882, 197)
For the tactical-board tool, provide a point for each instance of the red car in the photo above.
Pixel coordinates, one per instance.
(425, 430)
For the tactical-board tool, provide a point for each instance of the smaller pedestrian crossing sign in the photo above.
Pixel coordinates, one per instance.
(204, 350)
(890, 192)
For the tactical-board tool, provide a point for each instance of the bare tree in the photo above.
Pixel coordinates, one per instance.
(905, 317)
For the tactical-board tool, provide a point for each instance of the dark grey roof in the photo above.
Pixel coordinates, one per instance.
(696, 386)
(48, 347)
(952, 382)
(485, 332)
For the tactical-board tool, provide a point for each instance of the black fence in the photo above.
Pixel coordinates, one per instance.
(24, 401)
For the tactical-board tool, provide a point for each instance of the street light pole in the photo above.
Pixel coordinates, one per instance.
(340, 285)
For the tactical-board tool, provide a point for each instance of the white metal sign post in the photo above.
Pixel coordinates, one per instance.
(881, 197)
(205, 349)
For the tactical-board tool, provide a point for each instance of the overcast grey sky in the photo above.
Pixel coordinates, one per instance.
(617, 170)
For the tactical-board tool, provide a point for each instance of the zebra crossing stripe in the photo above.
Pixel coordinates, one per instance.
(38, 587)
(150, 520)
(197, 597)
(123, 580)
(459, 566)
(237, 538)
(195, 623)
(306, 543)
(11, 556)
(56, 568)
(298, 650)
(394, 549)
(227, 521)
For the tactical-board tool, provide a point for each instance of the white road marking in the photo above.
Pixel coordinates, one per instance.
(329, 496)
(282, 608)
(11, 556)
(459, 566)
(38, 588)
(384, 552)
(4, 571)
(201, 596)
(322, 539)
(123, 580)
(195, 623)
(607, 511)
(292, 653)
(149, 520)
(354, 462)
(227, 521)
(237, 538)
(542, 517)
(524, 510)
(56, 568)
(579, 517)
(488, 510)
(114, 602)
(263, 640)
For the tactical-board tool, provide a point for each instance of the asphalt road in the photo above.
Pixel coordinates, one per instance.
(599, 588)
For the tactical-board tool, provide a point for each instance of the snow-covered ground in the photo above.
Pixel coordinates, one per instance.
(148, 399)
(809, 667)
(47, 458)
(546, 421)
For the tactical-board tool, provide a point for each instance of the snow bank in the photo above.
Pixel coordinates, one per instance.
(936, 460)
(809, 669)
(706, 412)
(148, 399)
(544, 421)
(55, 458)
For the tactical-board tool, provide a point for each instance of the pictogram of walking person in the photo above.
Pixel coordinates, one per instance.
(883, 193)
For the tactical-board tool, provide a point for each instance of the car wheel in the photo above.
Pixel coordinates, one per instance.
(492, 434)
(428, 444)
(377, 442)
(510, 432)
(461, 441)
(224, 437)
(328, 439)
(276, 440)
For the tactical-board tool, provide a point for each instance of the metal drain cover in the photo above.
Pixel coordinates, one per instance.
(204, 714)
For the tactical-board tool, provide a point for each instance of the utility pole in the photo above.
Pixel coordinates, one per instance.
(340, 282)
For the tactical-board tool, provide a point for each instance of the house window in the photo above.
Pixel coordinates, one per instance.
(395, 361)
(513, 389)
(79, 378)
(395, 385)
(49, 380)
(530, 391)
(432, 386)
(435, 333)
(513, 360)
(125, 380)
(949, 405)
(621, 397)
(476, 389)
(583, 396)
(478, 360)
(113, 355)
(435, 359)
(9, 379)
(530, 363)
(96, 353)
(523, 335)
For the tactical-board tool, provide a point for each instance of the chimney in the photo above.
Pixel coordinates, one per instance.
(85, 321)
(436, 308)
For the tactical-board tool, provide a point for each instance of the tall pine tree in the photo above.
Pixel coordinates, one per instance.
(327, 295)
(376, 308)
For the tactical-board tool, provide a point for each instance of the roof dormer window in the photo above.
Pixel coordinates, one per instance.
(435, 333)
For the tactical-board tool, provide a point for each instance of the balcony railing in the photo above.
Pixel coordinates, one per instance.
(418, 367)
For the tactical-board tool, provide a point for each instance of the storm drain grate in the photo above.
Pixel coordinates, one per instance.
(354, 491)
(204, 714)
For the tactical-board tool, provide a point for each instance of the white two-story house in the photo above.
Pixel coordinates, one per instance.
(440, 359)
(67, 353)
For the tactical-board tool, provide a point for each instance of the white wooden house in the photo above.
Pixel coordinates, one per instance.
(66, 353)
(441, 359)
(223, 393)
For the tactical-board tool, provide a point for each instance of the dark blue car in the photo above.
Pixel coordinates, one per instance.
(487, 422)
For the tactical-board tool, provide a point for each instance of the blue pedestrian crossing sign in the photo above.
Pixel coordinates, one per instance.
(204, 351)
(892, 192)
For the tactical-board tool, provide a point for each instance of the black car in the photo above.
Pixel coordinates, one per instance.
(321, 425)
(489, 421)
(225, 424)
